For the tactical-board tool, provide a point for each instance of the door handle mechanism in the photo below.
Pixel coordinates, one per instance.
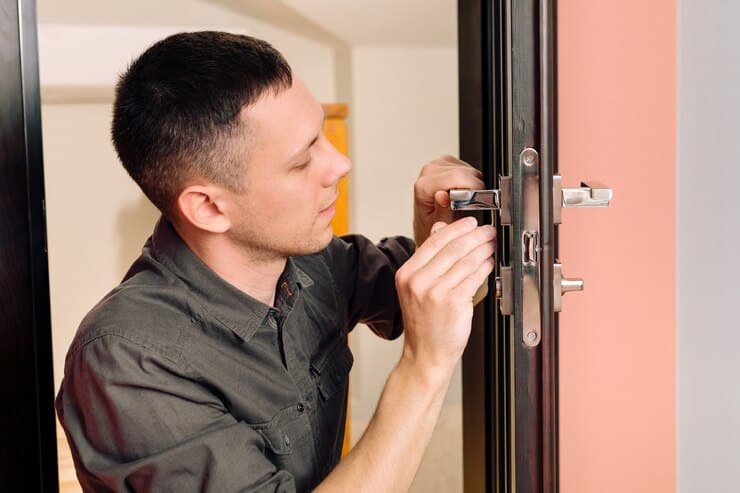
(589, 195)
(593, 194)
(563, 285)
(486, 200)
(475, 200)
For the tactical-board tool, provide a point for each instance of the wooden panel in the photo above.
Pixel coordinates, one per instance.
(67, 477)
(335, 129)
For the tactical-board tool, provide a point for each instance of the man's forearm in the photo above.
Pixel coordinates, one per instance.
(389, 453)
(435, 288)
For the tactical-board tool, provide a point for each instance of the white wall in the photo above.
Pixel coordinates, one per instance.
(708, 402)
(404, 114)
(97, 218)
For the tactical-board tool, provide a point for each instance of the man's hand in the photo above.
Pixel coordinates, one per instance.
(436, 287)
(431, 192)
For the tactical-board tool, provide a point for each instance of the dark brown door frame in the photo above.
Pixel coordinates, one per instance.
(28, 455)
(508, 103)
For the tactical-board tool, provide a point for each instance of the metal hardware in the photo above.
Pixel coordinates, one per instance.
(491, 200)
(594, 195)
(530, 248)
(507, 302)
(527, 209)
(588, 195)
(563, 285)
(504, 182)
(569, 285)
(466, 200)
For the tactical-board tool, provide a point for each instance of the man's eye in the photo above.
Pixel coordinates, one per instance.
(302, 166)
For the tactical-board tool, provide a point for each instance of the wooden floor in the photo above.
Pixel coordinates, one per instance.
(67, 478)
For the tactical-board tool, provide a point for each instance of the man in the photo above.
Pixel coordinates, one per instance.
(220, 363)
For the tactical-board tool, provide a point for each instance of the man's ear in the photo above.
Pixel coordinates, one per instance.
(202, 206)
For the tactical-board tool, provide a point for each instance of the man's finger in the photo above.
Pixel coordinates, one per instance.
(437, 226)
(427, 186)
(466, 266)
(468, 286)
(439, 240)
(454, 251)
(442, 198)
(449, 160)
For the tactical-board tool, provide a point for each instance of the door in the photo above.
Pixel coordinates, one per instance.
(27, 449)
(508, 116)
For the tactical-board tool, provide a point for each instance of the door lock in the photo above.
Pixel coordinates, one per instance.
(588, 195)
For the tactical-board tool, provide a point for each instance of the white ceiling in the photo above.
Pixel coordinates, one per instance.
(360, 22)
(355, 22)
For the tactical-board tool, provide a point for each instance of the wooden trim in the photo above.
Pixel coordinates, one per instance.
(77, 94)
(336, 110)
(336, 130)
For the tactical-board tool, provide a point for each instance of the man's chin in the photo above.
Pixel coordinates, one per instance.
(314, 245)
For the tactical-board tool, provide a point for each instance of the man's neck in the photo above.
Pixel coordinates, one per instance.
(253, 273)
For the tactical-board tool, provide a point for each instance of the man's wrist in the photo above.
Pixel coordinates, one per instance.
(431, 377)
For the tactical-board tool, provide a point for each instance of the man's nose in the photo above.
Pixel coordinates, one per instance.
(338, 166)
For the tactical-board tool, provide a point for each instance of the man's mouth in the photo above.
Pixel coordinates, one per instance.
(329, 207)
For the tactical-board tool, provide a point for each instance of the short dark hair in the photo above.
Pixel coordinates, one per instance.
(177, 106)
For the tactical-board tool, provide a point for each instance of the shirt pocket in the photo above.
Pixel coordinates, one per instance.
(330, 369)
(288, 443)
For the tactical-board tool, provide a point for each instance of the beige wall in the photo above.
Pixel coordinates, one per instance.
(404, 113)
(311, 59)
(96, 216)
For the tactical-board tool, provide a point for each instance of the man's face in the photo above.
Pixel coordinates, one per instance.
(291, 177)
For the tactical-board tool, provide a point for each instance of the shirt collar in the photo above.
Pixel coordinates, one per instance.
(240, 312)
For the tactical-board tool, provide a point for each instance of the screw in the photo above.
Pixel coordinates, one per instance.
(528, 157)
(531, 336)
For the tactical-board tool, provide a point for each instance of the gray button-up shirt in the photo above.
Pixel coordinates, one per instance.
(177, 381)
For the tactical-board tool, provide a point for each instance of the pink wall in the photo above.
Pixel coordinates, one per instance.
(617, 76)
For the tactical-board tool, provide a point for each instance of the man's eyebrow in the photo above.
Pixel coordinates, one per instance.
(308, 146)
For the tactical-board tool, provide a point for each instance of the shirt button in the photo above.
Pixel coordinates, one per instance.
(300, 407)
(287, 441)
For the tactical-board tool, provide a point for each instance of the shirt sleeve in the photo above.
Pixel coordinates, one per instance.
(365, 276)
(137, 422)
